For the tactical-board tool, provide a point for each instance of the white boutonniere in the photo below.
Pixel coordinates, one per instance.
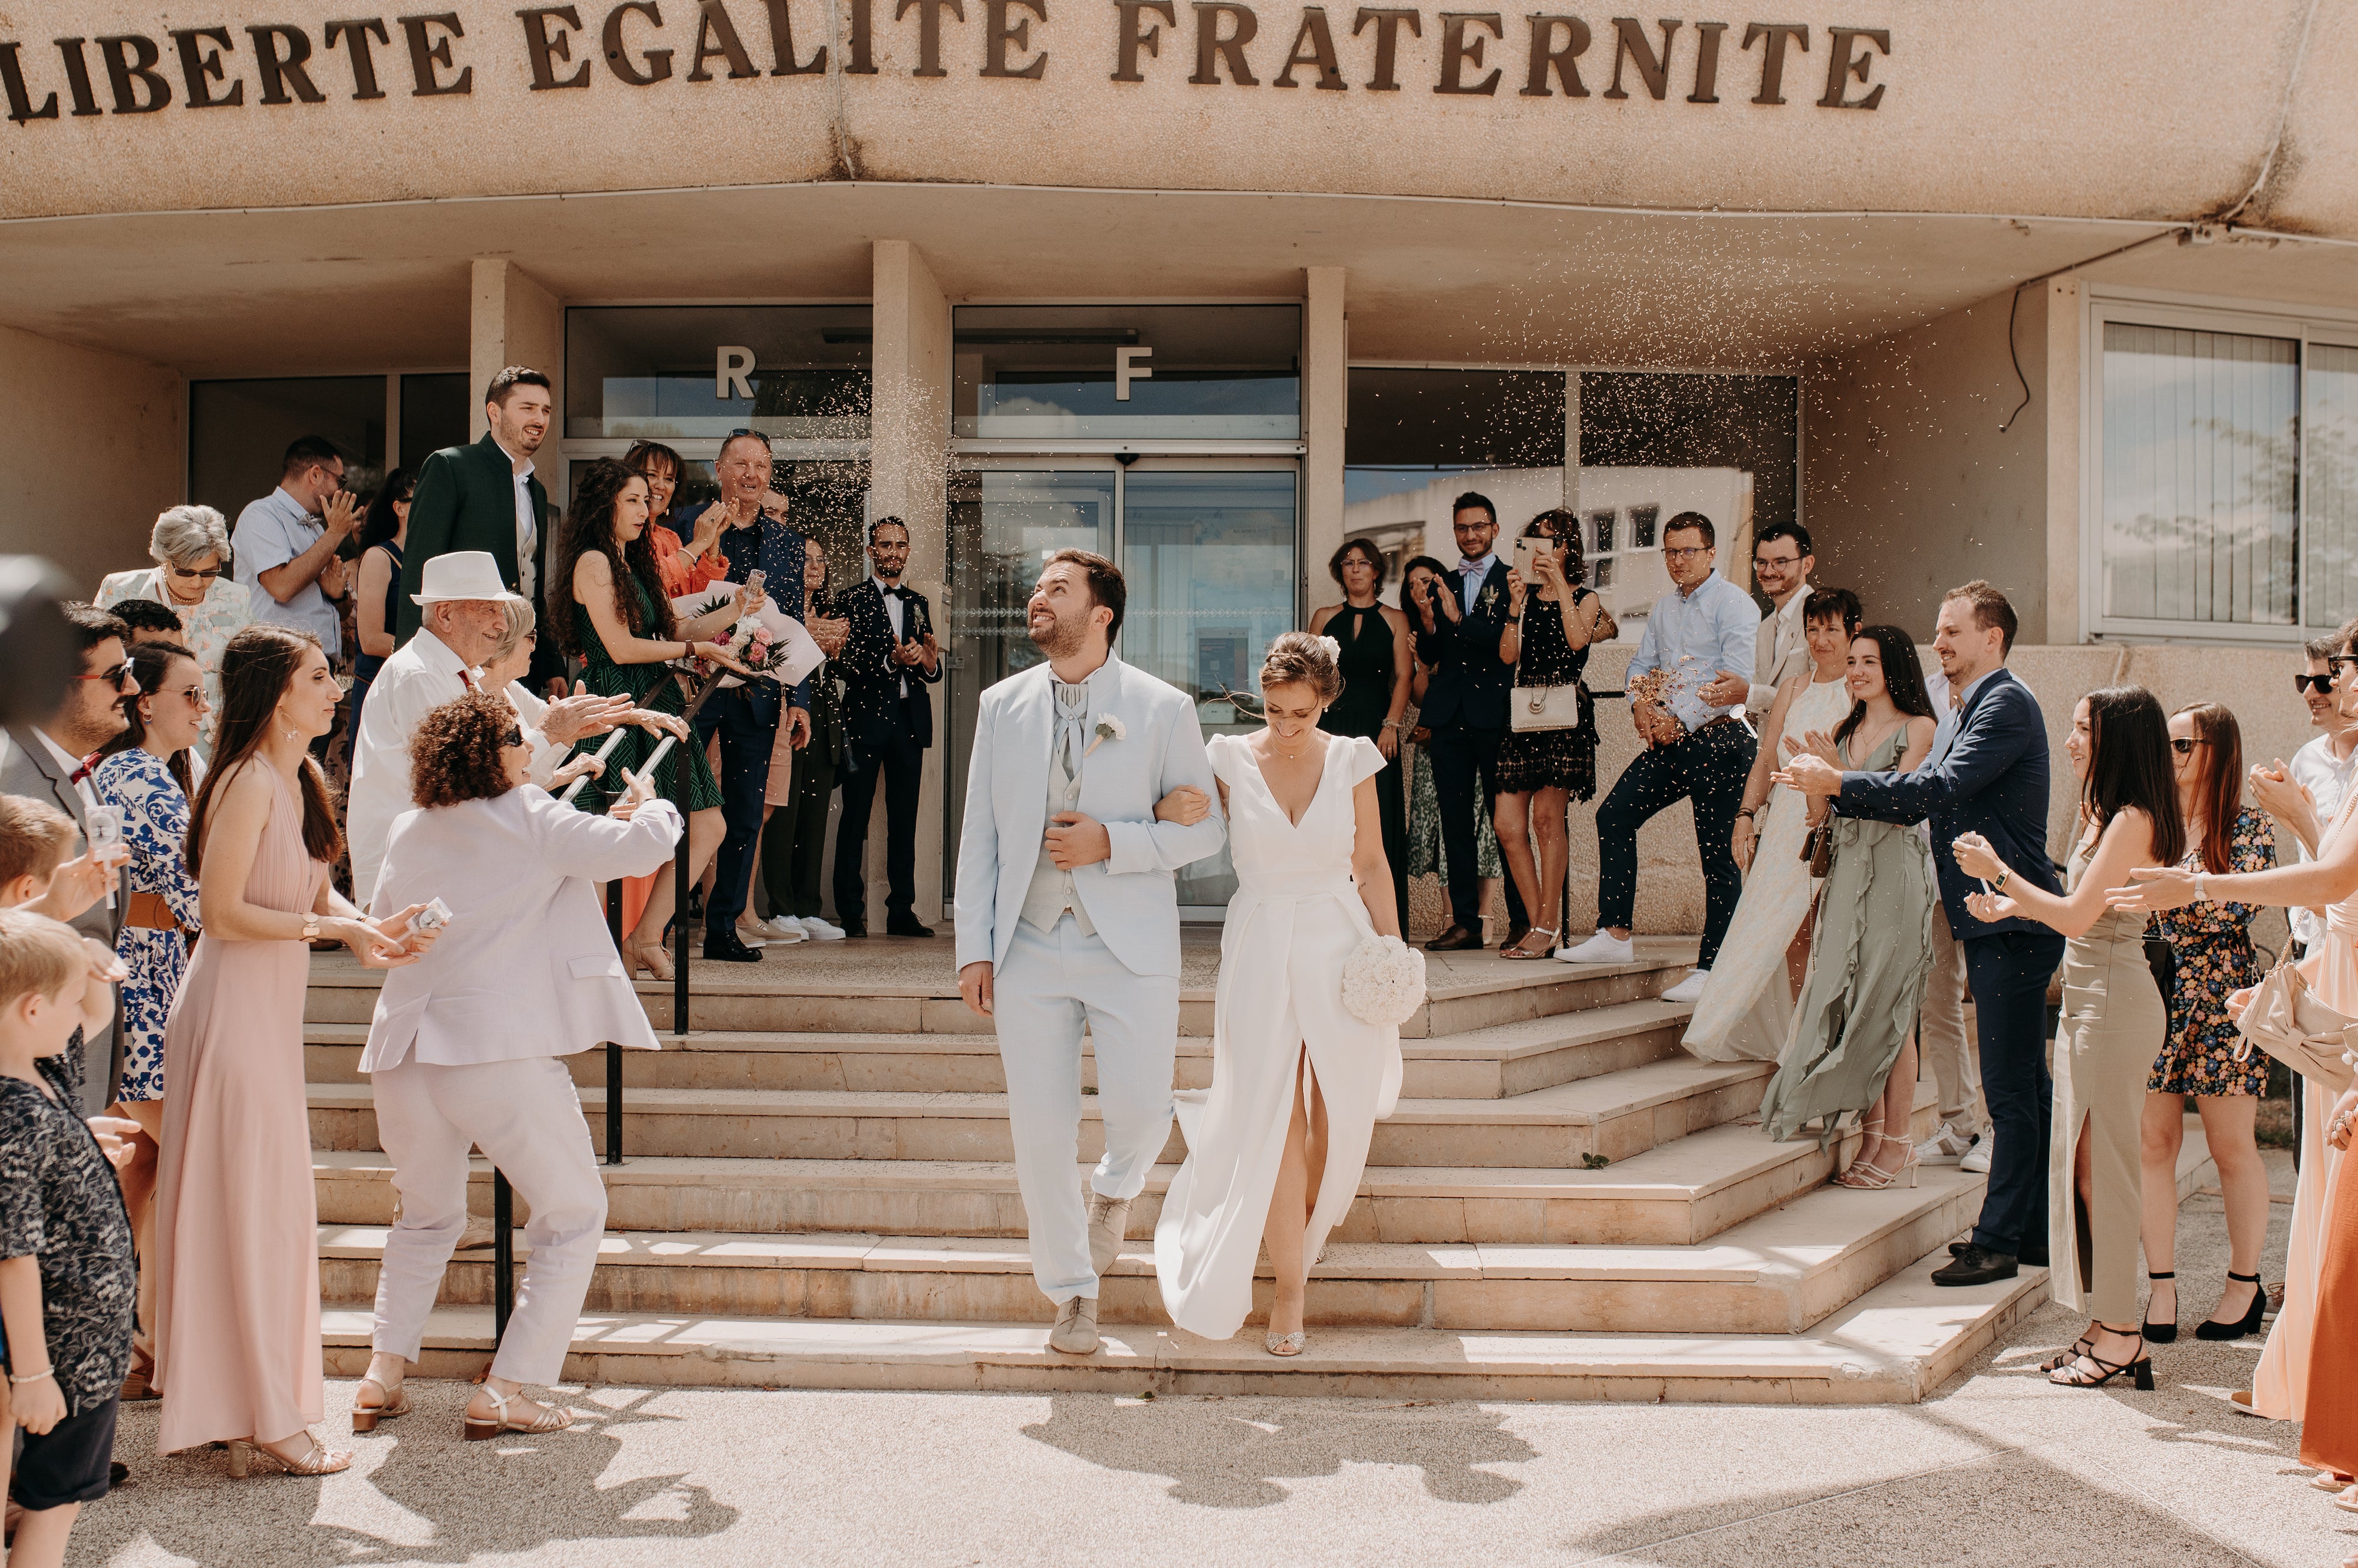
(1490, 597)
(1108, 728)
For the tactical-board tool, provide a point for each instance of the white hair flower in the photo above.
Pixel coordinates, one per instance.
(1334, 649)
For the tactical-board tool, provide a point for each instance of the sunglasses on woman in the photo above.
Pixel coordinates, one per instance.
(207, 573)
(2183, 746)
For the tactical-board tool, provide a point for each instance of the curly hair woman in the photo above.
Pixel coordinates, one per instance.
(606, 605)
(463, 1052)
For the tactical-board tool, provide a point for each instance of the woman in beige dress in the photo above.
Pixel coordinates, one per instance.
(237, 1293)
(2114, 1020)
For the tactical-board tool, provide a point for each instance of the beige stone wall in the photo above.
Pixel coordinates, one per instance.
(2121, 108)
(1909, 485)
(92, 446)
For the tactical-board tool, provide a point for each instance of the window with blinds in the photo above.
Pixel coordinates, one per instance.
(2201, 516)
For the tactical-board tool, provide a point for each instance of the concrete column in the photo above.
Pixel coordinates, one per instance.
(1324, 379)
(909, 479)
(513, 320)
(2064, 398)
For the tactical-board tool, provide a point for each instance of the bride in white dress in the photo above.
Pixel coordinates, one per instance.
(1298, 1083)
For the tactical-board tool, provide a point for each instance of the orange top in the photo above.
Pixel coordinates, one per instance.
(680, 574)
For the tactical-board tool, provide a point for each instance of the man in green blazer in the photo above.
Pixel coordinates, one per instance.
(483, 497)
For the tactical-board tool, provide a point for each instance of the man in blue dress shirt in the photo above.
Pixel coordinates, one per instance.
(285, 544)
(1705, 630)
(1986, 773)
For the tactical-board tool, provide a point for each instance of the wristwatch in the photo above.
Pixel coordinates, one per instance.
(2199, 896)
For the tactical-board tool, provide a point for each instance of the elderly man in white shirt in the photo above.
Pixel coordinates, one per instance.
(465, 609)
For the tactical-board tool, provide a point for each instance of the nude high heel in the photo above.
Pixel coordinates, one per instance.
(478, 1430)
(654, 957)
(318, 1460)
(1547, 948)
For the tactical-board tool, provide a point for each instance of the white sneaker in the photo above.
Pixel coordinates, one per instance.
(753, 933)
(1977, 1157)
(1602, 948)
(1689, 989)
(787, 928)
(818, 930)
(1944, 1146)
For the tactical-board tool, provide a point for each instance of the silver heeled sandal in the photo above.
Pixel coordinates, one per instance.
(1288, 1344)
(478, 1430)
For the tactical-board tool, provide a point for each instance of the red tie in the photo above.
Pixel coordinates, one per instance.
(469, 676)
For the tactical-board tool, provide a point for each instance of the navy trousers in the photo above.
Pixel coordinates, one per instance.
(2008, 972)
(1464, 777)
(745, 745)
(1709, 766)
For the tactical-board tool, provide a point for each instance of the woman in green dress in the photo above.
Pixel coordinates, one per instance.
(1853, 1045)
(606, 603)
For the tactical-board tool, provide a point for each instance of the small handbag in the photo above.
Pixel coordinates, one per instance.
(1818, 847)
(1546, 707)
(2285, 1019)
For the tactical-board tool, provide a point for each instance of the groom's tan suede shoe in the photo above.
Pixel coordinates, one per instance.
(1075, 1333)
(1109, 1224)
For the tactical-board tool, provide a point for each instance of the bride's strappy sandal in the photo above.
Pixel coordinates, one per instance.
(550, 1418)
(1288, 1344)
(1547, 948)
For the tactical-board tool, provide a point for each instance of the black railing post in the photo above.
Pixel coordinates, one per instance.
(680, 776)
(613, 1048)
(502, 1254)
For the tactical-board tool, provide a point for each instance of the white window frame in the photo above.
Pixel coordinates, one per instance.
(2309, 326)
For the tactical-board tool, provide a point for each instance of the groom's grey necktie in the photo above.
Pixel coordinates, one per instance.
(1051, 895)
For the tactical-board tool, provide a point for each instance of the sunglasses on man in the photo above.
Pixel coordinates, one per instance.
(119, 677)
(2317, 684)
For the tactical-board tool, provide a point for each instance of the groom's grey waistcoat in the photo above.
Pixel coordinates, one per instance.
(1131, 897)
(1053, 895)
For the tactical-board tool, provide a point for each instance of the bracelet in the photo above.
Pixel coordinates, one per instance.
(1747, 813)
(2199, 896)
(44, 1372)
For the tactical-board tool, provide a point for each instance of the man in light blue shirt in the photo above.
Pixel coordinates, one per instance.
(1705, 629)
(285, 544)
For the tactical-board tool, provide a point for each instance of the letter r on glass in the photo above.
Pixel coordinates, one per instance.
(733, 373)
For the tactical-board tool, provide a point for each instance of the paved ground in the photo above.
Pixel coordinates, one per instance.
(1999, 1470)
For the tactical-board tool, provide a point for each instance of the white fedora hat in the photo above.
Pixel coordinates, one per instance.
(463, 575)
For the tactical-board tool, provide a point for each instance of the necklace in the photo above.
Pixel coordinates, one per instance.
(1285, 756)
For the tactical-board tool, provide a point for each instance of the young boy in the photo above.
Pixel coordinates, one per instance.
(69, 1285)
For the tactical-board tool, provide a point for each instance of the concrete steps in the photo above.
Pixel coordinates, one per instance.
(1894, 1343)
(1489, 1062)
(1614, 1115)
(1777, 1273)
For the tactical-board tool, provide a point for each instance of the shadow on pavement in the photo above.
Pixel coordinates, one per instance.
(1230, 1451)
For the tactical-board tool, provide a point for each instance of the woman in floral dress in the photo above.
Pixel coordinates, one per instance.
(2211, 956)
(149, 775)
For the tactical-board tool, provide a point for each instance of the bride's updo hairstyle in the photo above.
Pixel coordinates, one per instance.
(1297, 658)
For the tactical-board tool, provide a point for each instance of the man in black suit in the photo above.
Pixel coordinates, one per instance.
(1458, 625)
(1986, 773)
(888, 719)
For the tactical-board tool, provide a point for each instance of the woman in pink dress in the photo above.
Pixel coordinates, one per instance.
(237, 1261)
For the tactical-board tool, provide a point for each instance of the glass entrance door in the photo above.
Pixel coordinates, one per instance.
(1210, 552)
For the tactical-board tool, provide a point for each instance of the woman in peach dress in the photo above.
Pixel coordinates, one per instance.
(237, 1261)
(2319, 1325)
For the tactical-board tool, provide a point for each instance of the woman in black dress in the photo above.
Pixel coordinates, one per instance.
(1550, 624)
(1375, 659)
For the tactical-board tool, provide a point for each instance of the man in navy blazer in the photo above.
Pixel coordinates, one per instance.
(1986, 773)
(1458, 624)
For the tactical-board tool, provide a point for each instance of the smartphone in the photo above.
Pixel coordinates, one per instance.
(103, 824)
(1526, 551)
(433, 917)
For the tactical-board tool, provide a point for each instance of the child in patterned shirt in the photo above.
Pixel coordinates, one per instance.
(68, 1279)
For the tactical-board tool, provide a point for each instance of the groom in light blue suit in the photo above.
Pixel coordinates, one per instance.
(1067, 912)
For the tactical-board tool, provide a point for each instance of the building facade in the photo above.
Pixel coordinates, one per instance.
(2064, 299)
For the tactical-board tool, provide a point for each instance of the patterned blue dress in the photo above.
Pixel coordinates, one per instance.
(156, 825)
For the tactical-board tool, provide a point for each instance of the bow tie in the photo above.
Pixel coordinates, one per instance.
(83, 772)
(1469, 567)
(895, 592)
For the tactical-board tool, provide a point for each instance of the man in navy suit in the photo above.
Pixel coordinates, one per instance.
(1986, 773)
(888, 662)
(1458, 624)
(746, 717)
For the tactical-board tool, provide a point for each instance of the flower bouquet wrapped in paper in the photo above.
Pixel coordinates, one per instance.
(770, 643)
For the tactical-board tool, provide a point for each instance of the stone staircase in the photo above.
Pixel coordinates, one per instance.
(818, 1193)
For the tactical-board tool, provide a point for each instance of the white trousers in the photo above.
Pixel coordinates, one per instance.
(1052, 984)
(1953, 1060)
(525, 1116)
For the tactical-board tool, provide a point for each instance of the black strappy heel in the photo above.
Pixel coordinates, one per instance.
(2162, 1333)
(2139, 1368)
(2248, 1323)
(2080, 1348)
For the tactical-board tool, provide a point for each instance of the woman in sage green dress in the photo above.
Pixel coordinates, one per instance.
(606, 603)
(1852, 1045)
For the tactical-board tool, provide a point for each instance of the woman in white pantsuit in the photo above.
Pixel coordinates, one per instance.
(464, 1051)
(1298, 1083)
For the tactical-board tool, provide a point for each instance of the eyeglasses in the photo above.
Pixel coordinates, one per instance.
(514, 737)
(2335, 662)
(1682, 552)
(2184, 747)
(2317, 684)
(1472, 528)
(194, 694)
(1759, 561)
(762, 436)
(118, 677)
(209, 573)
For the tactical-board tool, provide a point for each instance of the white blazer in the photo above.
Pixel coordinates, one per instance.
(1131, 898)
(526, 968)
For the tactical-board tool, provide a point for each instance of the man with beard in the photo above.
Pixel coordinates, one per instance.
(1067, 911)
(887, 663)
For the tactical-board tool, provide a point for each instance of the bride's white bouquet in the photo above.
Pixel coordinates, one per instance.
(1383, 982)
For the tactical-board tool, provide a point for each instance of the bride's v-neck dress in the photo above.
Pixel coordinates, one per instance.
(1295, 918)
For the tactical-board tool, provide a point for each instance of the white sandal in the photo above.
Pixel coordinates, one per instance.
(550, 1418)
(390, 1404)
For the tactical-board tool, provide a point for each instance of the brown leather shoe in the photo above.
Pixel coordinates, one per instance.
(1457, 939)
